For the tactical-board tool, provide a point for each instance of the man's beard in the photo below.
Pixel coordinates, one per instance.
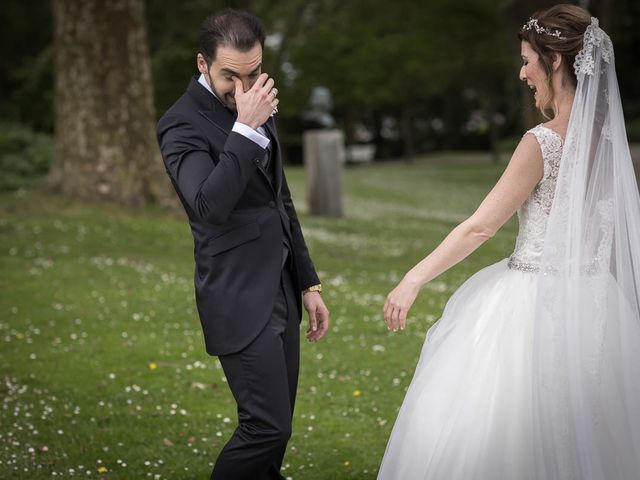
(229, 104)
(227, 99)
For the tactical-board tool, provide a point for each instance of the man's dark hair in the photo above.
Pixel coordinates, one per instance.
(230, 28)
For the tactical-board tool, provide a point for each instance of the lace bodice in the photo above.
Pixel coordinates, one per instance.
(534, 212)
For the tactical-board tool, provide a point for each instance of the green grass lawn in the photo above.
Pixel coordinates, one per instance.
(102, 362)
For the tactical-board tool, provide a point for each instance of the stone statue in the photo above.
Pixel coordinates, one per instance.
(319, 114)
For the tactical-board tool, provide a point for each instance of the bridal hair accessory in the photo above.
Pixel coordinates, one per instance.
(533, 24)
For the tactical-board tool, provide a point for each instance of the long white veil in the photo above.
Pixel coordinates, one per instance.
(586, 365)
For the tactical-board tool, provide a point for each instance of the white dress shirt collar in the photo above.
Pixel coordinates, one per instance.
(203, 81)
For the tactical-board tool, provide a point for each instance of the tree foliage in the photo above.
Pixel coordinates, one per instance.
(435, 68)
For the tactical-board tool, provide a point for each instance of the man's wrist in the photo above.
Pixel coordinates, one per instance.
(313, 288)
(251, 133)
(248, 123)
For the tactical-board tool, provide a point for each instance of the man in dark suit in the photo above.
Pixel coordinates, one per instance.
(221, 151)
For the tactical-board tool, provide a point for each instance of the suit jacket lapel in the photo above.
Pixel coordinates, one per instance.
(275, 154)
(223, 122)
(220, 117)
(210, 107)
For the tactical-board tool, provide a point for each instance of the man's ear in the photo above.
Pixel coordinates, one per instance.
(202, 64)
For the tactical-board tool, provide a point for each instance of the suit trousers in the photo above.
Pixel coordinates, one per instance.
(263, 378)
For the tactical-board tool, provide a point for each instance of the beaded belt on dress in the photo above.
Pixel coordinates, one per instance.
(591, 268)
(523, 266)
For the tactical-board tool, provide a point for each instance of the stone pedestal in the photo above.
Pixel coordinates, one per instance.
(324, 154)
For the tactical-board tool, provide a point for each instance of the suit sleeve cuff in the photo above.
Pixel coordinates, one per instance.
(251, 134)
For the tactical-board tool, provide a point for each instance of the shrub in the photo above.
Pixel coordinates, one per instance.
(25, 155)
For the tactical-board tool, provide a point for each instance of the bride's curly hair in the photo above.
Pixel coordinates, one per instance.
(571, 22)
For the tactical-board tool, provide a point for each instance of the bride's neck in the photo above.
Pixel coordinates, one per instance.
(563, 97)
(562, 104)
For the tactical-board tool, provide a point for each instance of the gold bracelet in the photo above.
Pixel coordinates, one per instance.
(313, 288)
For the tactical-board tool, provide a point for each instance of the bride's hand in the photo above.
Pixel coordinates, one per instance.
(399, 302)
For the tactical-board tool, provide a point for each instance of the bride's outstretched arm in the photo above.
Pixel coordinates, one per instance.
(523, 173)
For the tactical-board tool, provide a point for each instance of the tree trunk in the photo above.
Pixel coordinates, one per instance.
(105, 146)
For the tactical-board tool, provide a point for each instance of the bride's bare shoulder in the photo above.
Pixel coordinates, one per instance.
(527, 157)
(528, 148)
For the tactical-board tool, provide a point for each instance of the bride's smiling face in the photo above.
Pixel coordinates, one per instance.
(533, 73)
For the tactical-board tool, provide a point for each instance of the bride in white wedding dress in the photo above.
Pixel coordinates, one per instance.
(532, 372)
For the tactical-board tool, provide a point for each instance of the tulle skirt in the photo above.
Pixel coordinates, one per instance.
(469, 412)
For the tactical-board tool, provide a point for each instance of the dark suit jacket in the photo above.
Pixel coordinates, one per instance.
(238, 214)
